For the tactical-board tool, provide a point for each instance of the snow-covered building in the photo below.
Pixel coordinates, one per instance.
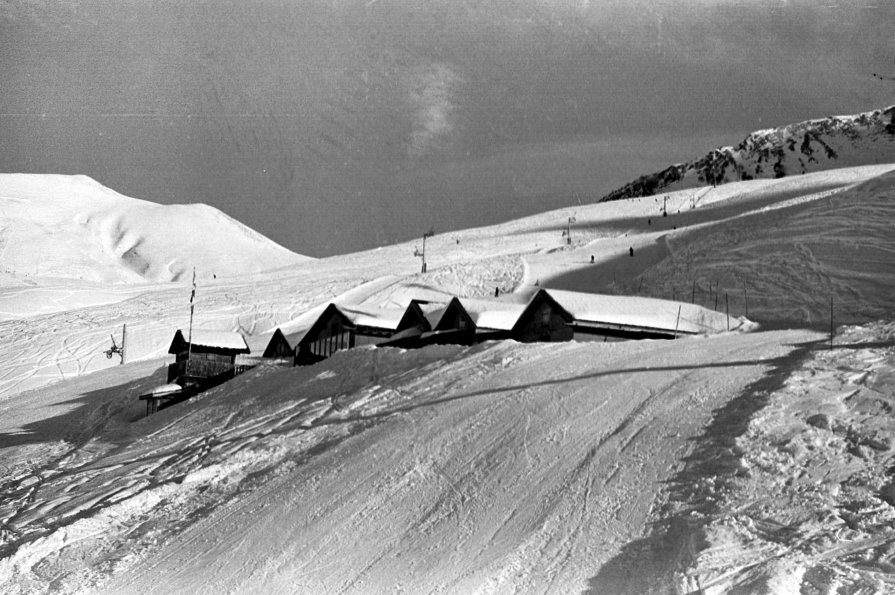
(343, 327)
(282, 344)
(204, 356)
(468, 320)
(543, 319)
(618, 318)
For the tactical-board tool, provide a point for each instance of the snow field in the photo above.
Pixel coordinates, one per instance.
(501, 466)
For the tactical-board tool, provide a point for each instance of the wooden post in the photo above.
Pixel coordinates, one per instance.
(693, 298)
(677, 322)
(189, 345)
(727, 309)
(746, 297)
(123, 344)
(716, 297)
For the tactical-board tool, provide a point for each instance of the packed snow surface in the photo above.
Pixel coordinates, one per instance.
(728, 462)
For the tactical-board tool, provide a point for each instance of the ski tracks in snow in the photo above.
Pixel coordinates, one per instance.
(484, 469)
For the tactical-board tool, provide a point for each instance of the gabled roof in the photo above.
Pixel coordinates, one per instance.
(312, 331)
(638, 312)
(414, 318)
(225, 341)
(492, 314)
(433, 313)
(279, 336)
(542, 296)
(383, 318)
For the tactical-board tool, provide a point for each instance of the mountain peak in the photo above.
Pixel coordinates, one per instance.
(812, 145)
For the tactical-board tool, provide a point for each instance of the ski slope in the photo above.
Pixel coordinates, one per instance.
(577, 467)
(492, 468)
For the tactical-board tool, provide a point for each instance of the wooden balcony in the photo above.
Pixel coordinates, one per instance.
(197, 370)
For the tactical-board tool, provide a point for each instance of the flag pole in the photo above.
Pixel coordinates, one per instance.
(189, 345)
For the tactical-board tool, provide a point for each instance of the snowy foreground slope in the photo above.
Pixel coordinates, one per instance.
(74, 228)
(742, 462)
(493, 468)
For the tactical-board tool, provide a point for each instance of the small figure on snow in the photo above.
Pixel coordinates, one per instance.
(591, 258)
(631, 251)
(497, 292)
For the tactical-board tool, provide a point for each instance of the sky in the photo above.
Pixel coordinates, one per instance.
(338, 125)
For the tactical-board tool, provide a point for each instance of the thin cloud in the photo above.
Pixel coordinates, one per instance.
(431, 97)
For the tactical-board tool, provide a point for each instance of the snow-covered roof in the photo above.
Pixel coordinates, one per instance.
(227, 340)
(637, 311)
(433, 312)
(166, 389)
(384, 318)
(492, 314)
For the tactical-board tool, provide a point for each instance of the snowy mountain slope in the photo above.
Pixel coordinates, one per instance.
(786, 264)
(775, 250)
(813, 145)
(72, 227)
(492, 468)
(516, 256)
(502, 467)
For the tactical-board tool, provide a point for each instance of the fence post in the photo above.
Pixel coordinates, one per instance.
(677, 321)
(745, 297)
(727, 309)
(693, 297)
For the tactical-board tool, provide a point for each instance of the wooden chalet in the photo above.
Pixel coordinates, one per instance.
(211, 357)
(210, 360)
(543, 320)
(281, 345)
(343, 327)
